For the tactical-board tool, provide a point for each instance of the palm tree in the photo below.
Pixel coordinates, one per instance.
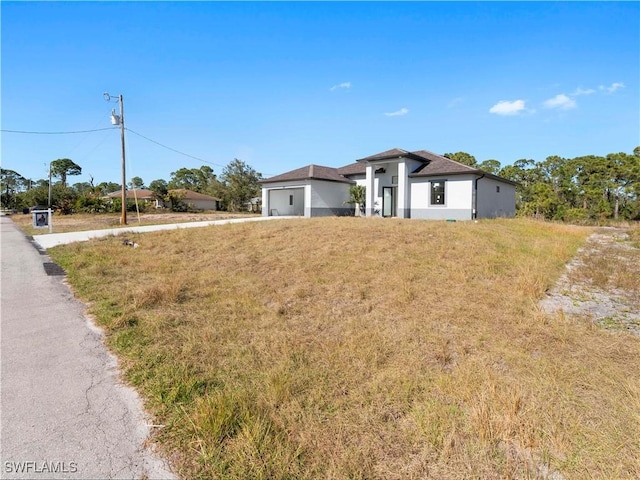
(357, 197)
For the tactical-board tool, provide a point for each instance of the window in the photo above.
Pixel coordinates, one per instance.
(437, 192)
(290, 199)
(497, 188)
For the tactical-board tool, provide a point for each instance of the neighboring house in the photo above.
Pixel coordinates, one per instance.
(192, 200)
(195, 200)
(398, 183)
(140, 194)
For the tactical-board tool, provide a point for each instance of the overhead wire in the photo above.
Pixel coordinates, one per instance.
(57, 133)
(113, 128)
(173, 149)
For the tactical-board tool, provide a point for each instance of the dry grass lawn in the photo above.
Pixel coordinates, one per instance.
(89, 221)
(364, 348)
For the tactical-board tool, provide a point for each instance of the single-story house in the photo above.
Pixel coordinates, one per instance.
(140, 194)
(398, 183)
(195, 200)
(191, 199)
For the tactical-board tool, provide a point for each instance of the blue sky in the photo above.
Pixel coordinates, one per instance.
(281, 85)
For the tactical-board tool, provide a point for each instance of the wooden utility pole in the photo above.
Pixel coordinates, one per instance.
(123, 218)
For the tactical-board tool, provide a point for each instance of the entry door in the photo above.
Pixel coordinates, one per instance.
(388, 201)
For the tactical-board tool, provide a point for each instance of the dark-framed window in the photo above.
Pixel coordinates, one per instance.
(290, 199)
(437, 195)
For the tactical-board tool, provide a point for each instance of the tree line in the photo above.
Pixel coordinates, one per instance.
(235, 188)
(586, 188)
(580, 189)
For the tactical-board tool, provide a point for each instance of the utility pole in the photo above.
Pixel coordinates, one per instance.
(119, 120)
(49, 212)
(123, 219)
(49, 205)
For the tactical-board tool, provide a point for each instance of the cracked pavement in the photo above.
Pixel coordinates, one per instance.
(64, 412)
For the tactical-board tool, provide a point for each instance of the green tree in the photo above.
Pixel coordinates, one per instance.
(63, 167)
(240, 184)
(160, 189)
(11, 182)
(199, 180)
(136, 182)
(83, 187)
(490, 166)
(462, 157)
(357, 197)
(106, 188)
(624, 177)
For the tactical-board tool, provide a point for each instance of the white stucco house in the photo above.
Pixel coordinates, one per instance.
(398, 183)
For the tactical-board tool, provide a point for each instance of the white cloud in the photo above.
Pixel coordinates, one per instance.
(399, 113)
(614, 86)
(341, 85)
(505, 107)
(560, 101)
(582, 91)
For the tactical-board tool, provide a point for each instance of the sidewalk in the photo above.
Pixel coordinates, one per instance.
(64, 412)
(53, 239)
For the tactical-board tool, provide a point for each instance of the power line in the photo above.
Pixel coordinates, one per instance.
(113, 128)
(58, 133)
(174, 150)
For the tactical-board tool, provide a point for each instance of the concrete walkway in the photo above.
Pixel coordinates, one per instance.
(53, 239)
(64, 412)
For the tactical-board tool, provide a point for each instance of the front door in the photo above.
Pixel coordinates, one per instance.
(388, 201)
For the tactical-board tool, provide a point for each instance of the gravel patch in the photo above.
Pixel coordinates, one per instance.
(577, 294)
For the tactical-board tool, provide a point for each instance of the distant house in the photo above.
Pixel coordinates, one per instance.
(140, 194)
(195, 200)
(191, 200)
(398, 183)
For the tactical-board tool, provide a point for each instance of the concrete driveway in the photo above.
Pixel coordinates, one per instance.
(53, 239)
(64, 411)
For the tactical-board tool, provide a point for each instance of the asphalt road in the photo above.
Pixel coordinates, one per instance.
(64, 412)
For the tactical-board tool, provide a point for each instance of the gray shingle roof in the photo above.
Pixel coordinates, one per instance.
(439, 165)
(139, 193)
(432, 164)
(356, 168)
(389, 154)
(315, 172)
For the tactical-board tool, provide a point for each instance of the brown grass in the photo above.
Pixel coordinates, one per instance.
(365, 348)
(85, 221)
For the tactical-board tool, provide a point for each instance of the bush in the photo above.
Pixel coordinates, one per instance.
(89, 204)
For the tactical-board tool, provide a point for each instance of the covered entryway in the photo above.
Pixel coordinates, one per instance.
(389, 201)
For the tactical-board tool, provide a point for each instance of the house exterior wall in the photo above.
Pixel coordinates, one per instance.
(458, 198)
(328, 198)
(492, 203)
(201, 204)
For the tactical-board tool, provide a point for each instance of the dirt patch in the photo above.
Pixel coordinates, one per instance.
(601, 283)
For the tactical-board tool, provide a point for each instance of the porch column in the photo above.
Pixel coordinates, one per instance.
(370, 194)
(265, 202)
(403, 190)
(307, 201)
